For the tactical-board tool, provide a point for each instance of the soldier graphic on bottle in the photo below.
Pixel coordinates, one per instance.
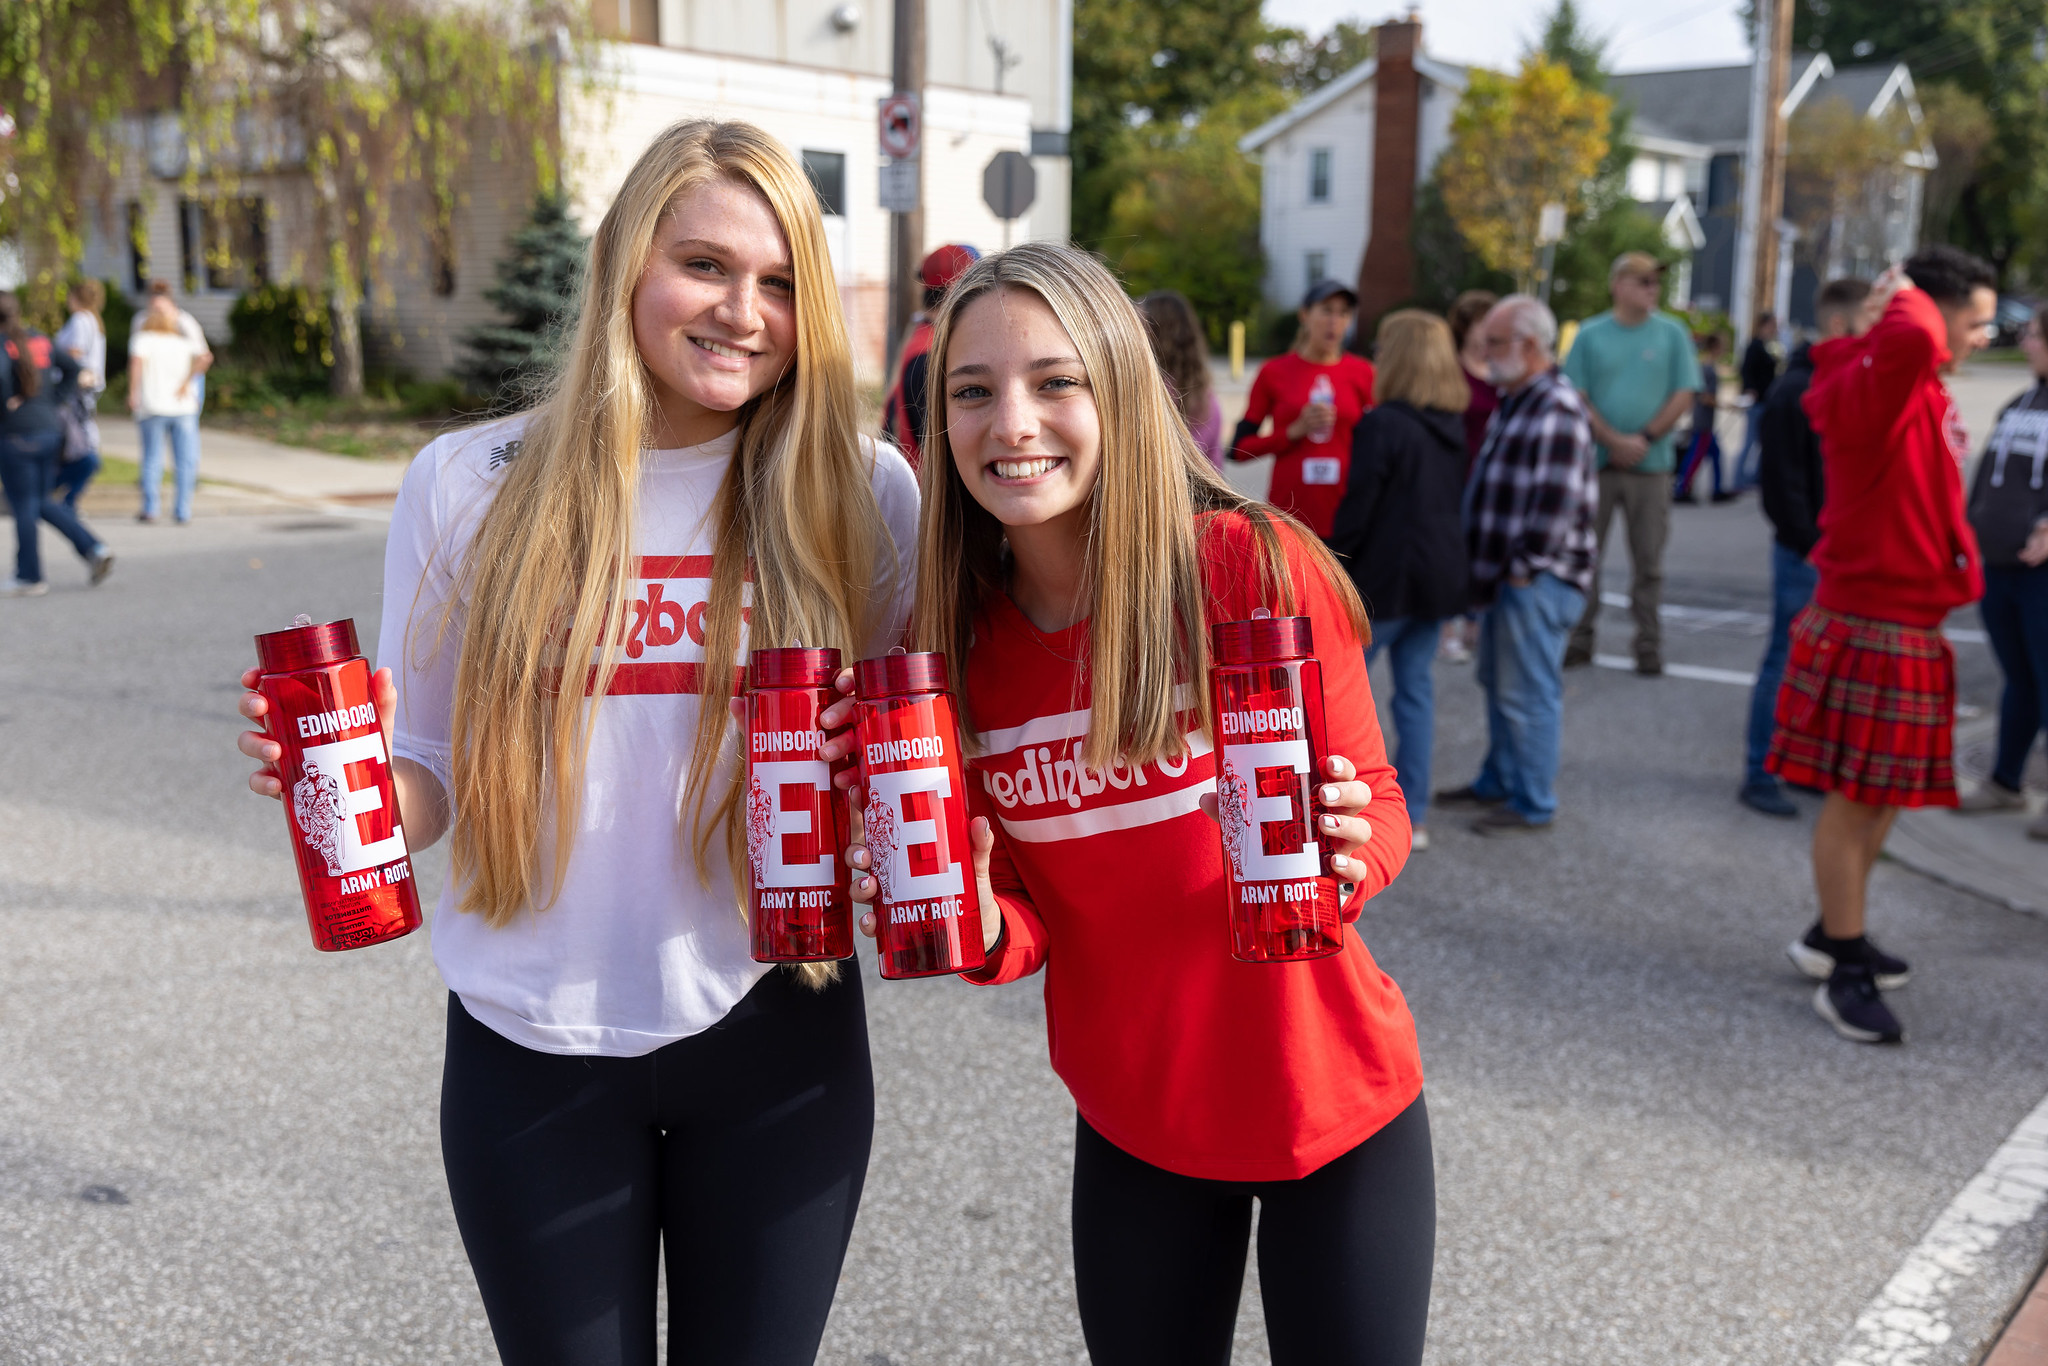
(317, 804)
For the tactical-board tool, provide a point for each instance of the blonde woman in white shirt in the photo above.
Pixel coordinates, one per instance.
(622, 1080)
(163, 369)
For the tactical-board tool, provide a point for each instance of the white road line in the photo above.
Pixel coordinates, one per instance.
(1909, 1318)
(1706, 618)
(1698, 672)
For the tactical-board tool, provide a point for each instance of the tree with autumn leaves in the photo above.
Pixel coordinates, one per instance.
(1517, 143)
(379, 103)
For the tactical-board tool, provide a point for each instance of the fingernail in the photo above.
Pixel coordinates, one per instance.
(1339, 861)
(1329, 822)
(1329, 794)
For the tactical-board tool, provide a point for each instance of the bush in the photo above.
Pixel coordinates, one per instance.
(281, 330)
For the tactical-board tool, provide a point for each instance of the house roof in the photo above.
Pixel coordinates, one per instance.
(1706, 105)
(1868, 89)
(1680, 223)
(1443, 73)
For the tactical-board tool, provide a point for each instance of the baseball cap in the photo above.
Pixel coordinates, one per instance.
(1325, 289)
(1635, 263)
(946, 264)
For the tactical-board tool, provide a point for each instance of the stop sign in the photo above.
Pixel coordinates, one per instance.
(1009, 185)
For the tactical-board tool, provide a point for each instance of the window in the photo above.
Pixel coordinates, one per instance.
(138, 245)
(827, 171)
(225, 243)
(1317, 271)
(1319, 175)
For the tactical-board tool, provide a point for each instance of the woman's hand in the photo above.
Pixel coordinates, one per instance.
(1315, 422)
(257, 744)
(979, 837)
(1337, 802)
(2035, 552)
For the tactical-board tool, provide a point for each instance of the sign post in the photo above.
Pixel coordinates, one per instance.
(900, 138)
(1008, 187)
(1549, 232)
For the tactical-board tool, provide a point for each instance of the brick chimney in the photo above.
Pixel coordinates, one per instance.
(1386, 277)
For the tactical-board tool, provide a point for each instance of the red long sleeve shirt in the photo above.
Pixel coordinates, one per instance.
(1308, 477)
(1895, 544)
(1113, 884)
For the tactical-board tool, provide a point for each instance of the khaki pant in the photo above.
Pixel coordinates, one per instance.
(1644, 501)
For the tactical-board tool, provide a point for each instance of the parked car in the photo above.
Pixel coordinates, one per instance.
(2012, 317)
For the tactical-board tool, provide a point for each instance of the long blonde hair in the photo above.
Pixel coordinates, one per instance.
(1417, 363)
(1145, 592)
(552, 566)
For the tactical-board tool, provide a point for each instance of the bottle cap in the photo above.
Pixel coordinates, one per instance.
(1243, 642)
(307, 646)
(897, 672)
(794, 667)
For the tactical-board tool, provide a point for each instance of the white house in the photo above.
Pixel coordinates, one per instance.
(999, 77)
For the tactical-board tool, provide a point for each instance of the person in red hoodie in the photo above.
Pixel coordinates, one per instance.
(1867, 708)
(1315, 395)
(1081, 547)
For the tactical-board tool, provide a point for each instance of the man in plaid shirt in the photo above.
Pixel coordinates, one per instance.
(1529, 526)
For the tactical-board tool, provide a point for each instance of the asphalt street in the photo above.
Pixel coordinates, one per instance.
(219, 1146)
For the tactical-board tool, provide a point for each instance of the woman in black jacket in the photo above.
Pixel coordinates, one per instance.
(35, 377)
(1399, 531)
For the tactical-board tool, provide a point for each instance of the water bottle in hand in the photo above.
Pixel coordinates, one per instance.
(1324, 393)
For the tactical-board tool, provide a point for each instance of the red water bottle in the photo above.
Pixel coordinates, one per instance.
(928, 915)
(1266, 691)
(338, 795)
(800, 907)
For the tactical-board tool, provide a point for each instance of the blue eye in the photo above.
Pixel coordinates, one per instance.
(968, 392)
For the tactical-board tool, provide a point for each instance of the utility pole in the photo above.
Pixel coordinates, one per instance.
(906, 229)
(1771, 186)
(1763, 189)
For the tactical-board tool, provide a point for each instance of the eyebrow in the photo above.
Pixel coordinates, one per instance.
(1043, 363)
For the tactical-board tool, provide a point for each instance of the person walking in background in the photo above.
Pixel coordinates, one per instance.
(163, 367)
(1315, 395)
(903, 407)
(1636, 369)
(1760, 360)
(1703, 445)
(193, 333)
(1183, 356)
(83, 337)
(1399, 531)
(36, 377)
(1790, 485)
(1528, 515)
(1867, 709)
(2009, 513)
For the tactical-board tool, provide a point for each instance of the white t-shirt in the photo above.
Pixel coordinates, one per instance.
(166, 364)
(86, 340)
(636, 952)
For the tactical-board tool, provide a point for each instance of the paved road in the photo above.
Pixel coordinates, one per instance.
(1648, 1148)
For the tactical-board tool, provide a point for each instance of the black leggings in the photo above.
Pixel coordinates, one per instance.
(737, 1153)
(1345, 1255)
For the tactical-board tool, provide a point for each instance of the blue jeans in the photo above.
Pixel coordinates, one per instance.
(2015, 611)
(1792, 580)
(1752, 450)
(73, 476)
(1411, 649)
(28, 464)
(1521, 666)
(183, 433)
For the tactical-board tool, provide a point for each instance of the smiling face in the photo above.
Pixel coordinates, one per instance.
(1970, 323)
(1021, 419)
(714, 313)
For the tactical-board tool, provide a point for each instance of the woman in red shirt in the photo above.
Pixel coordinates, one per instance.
(1314, 394)
(1070, 507)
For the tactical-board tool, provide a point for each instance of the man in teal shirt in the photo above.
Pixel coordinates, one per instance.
(1638, 372)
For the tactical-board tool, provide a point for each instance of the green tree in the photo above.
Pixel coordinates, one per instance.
(1187, 215)
(1994, 51)
(1518, 143)
(536, 290)
(1302, 65)
(1144, 62)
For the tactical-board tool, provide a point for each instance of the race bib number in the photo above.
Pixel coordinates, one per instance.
(1319, 469)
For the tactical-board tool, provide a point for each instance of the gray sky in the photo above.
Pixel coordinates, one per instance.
(1642, 34)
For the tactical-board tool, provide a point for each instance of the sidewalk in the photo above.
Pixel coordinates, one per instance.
(282, 473)
(1990, 854)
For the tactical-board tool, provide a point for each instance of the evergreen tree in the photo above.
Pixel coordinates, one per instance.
(537, 291)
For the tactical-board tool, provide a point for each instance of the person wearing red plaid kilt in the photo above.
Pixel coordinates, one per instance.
(1866, 712)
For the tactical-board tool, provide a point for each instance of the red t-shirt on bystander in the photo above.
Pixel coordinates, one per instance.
(1308, 477)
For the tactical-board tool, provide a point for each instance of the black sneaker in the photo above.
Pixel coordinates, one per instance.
(1849, 1000)
(1816, 955)
(1505, 821)
(1767, 797)
(1466, 798)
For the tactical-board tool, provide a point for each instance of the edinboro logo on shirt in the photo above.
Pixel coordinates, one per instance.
(1044, 792)
(661, 630)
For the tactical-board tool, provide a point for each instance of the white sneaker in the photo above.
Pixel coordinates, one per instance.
(22, 588)
(1991, 796)
(1418, 839)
